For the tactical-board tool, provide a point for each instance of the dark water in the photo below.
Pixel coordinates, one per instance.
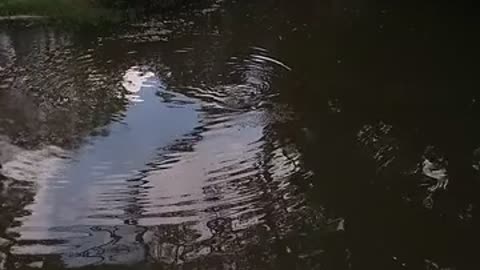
(244, 135)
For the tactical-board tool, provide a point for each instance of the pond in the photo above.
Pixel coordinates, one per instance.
(243, 135)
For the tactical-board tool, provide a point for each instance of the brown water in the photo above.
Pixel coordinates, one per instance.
(243, 135)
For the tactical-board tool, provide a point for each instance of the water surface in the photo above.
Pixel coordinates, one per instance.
(243, 135)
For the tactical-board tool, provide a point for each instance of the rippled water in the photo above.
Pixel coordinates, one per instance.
(243, 135)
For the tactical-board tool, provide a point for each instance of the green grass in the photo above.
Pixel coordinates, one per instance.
(85, 11)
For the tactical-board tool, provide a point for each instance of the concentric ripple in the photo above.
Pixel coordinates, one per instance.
(156, 165)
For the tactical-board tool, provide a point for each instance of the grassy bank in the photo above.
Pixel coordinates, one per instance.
(72, 10)
(84, 11)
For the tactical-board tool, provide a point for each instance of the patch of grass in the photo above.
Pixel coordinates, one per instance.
(86, 11)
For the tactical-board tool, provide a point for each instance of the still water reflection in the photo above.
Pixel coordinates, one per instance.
(273, 135)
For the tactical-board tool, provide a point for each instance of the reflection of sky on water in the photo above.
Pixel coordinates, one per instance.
(177, 175)
(193, 176)
(108, 161)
